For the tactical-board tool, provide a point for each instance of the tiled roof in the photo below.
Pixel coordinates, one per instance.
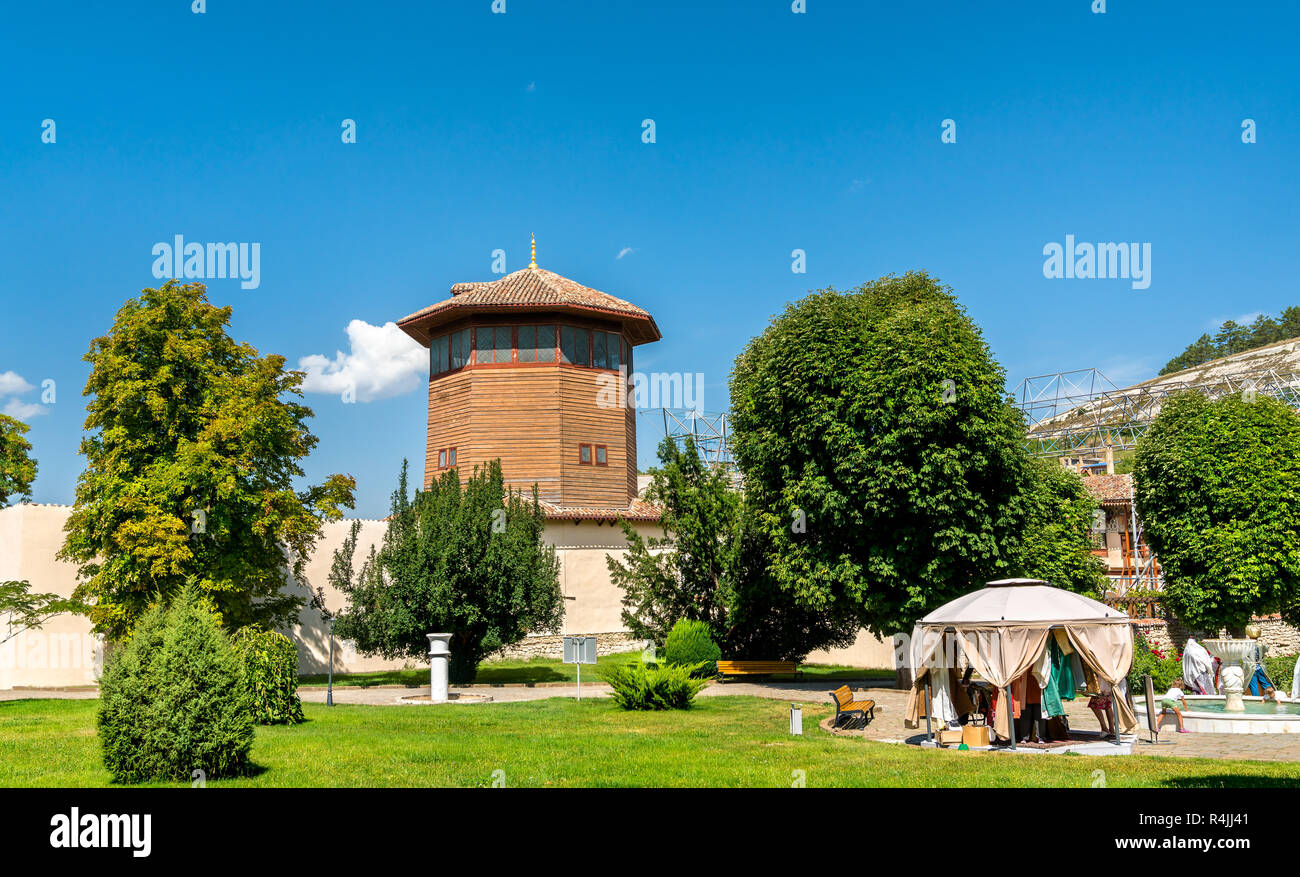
(532, 288)
(638, 510)
(1109, 488)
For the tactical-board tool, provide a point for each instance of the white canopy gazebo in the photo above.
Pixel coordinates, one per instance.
(1003, 630)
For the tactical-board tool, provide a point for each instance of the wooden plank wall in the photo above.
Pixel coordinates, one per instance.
(533, 419)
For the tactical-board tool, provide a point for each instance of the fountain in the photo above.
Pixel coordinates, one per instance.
(1233, 711)
(1234, 653)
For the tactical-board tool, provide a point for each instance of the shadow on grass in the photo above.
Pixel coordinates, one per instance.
(1229, 781)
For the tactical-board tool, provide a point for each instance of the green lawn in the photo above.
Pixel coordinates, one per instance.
(534, 670)
(723, 741)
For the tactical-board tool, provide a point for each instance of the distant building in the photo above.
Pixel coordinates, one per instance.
(1118, 536)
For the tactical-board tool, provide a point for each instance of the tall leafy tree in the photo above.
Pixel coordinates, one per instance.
(710, 565)
(17, 468)
(1218, 489)
(880, 454)
(194, 441)
(467, 560)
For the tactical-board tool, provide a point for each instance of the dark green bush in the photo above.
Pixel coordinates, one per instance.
(690, 642)
(638, 686)
(173, 701)
(270, 675)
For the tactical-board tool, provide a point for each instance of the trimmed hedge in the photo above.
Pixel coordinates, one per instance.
(270, 675)
(691, 642)
(173, 701)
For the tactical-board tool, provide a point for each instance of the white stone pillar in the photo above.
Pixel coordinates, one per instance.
(439, 663)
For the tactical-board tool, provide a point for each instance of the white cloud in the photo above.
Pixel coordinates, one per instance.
(24, 411)
(626, 251)
(384, 362)
(12, 383)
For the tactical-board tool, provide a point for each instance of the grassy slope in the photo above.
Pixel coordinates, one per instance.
(723, 741)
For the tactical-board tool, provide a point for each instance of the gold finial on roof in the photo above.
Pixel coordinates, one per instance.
(533, 261)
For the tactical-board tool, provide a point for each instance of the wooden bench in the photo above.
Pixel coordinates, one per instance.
(756, 668)
(846, 706)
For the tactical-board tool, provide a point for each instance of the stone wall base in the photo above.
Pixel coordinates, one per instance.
(553, 646)
(1278, 637)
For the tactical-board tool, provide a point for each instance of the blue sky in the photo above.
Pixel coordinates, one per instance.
(774, 131)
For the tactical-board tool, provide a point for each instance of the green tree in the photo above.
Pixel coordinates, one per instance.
(190, 461)
(1218, 489)
(1056, 546)
(1288, 323)
(1232, 338)
(711, 566)
(468, 560)
(1264, 330)
(884, 462)
(17, 468)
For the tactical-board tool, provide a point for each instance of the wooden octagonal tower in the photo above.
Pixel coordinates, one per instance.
(533, 369)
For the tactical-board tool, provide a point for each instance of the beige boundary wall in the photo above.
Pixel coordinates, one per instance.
(64, 653)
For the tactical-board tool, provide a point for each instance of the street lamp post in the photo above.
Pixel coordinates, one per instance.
(329, 688)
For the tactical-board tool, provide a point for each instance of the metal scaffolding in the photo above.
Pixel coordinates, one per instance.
(710, 432)
(1083, 410)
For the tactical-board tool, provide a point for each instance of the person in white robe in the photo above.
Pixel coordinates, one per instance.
(1198, 667)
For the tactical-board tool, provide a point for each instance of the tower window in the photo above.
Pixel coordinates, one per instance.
(447, 458)
(438, 355)
(537, 344)
(584, 455)
(601, 456)
(459, 344)
(582, 354)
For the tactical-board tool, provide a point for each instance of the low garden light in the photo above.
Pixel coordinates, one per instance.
(796, 719)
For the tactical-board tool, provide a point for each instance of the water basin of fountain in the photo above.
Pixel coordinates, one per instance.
(1207, 714)
(1252, 707)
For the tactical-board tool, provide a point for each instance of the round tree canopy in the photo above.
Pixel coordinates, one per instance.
(1022, 602)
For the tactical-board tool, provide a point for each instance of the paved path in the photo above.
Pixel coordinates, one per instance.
(888, 726)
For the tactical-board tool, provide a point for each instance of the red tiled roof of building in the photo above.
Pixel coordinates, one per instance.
(534, 289)
(1109, 488)
(638, 510)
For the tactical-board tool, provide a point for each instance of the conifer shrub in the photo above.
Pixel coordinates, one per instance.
(173, 701)
(639, 686)
(691, 642)
(270, 675)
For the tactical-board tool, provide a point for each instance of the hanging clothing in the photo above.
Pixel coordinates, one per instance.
(1295, 681)
(1060, 685)
(1259, 681)
(1198, 667)
(941, 698)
